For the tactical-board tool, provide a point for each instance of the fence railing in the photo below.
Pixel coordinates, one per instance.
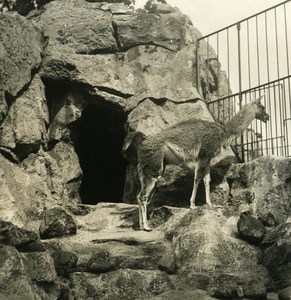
(242, 62)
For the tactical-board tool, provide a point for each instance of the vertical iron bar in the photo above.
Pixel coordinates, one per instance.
(286, 37)
(258, 51)
(289, 116)
(228, 74)
(207, 68)
(267, 46)
(276, 120)
(198, 82)
(240, 83)
(281, 118)
(218, 66)
(277, 46)
(249, 62)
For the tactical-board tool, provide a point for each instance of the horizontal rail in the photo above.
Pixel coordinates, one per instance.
(243, 20)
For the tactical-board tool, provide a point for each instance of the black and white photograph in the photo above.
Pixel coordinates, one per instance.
(145, 149)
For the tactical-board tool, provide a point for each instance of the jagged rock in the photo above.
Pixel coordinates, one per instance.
(40, 266)
(254, 289)
(140, 262)
(23, 7)
(57, 222)
(14, 283)
(65, 262)
(22, 46)
(182, 294)
(14, 236)
(140, 29)
(285, 294)
(56, 173)
(168, 263)
(90, 30)
(24, 128)
(20, 196)
(191, 281)
(36, 246)
(251, 229)
(164, 115)
(100, 262)
(207, 235)
(225, 286)
(120, 284)
(268, 220)
(267, 179)
(68, 162)
(277, 257)
(159, 7)
(18, 273)
(115, 71)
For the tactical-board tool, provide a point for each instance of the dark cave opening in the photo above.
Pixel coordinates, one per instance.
(97, 136)
(98, 142)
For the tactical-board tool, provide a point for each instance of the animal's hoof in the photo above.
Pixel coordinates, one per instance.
(148, 229)
(192, 207)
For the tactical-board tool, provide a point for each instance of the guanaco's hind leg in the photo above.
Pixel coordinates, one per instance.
(144, 197)
(207, 180)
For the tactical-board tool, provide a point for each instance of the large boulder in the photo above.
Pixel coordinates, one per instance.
(21, 49)
(20, 273)
(204, 242)
(56, 223)
(24, 127)
(277, 257)
(12, 235)
(261, 186)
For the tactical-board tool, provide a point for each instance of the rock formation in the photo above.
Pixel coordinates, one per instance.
(75, 77)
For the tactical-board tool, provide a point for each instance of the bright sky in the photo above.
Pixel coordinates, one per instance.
(210, 15)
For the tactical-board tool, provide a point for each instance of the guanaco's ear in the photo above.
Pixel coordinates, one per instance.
(258, 100)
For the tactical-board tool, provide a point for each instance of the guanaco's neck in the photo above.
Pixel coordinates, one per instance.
(240, 122)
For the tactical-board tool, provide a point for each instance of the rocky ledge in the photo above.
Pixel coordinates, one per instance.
(96, 252)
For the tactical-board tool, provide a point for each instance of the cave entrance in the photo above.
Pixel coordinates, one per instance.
(98, 143)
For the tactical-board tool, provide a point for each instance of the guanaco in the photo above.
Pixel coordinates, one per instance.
(191, 144)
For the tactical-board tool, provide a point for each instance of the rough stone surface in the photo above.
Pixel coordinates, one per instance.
(40, 266)
(251, 229)
(209, 236)
(120, 284)
(168, 263)
(57, 222)
(21, 47)
(16, 194)
(23, 7)
(69, 167)
(18, 273)
(178, 295)
(277, 257)
(254, 289)
(65, 262)
(285, 294)
(100, 262)
(24, 128)
(14, 236)
(262, 186)
(225, 286)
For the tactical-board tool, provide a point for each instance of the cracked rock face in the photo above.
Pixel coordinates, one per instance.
(96, 63)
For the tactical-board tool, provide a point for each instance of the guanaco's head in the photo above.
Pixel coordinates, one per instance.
(260, 110)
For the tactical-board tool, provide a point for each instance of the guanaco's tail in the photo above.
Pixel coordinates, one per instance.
(131, 144)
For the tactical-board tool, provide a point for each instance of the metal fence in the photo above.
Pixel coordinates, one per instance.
(242, 62)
